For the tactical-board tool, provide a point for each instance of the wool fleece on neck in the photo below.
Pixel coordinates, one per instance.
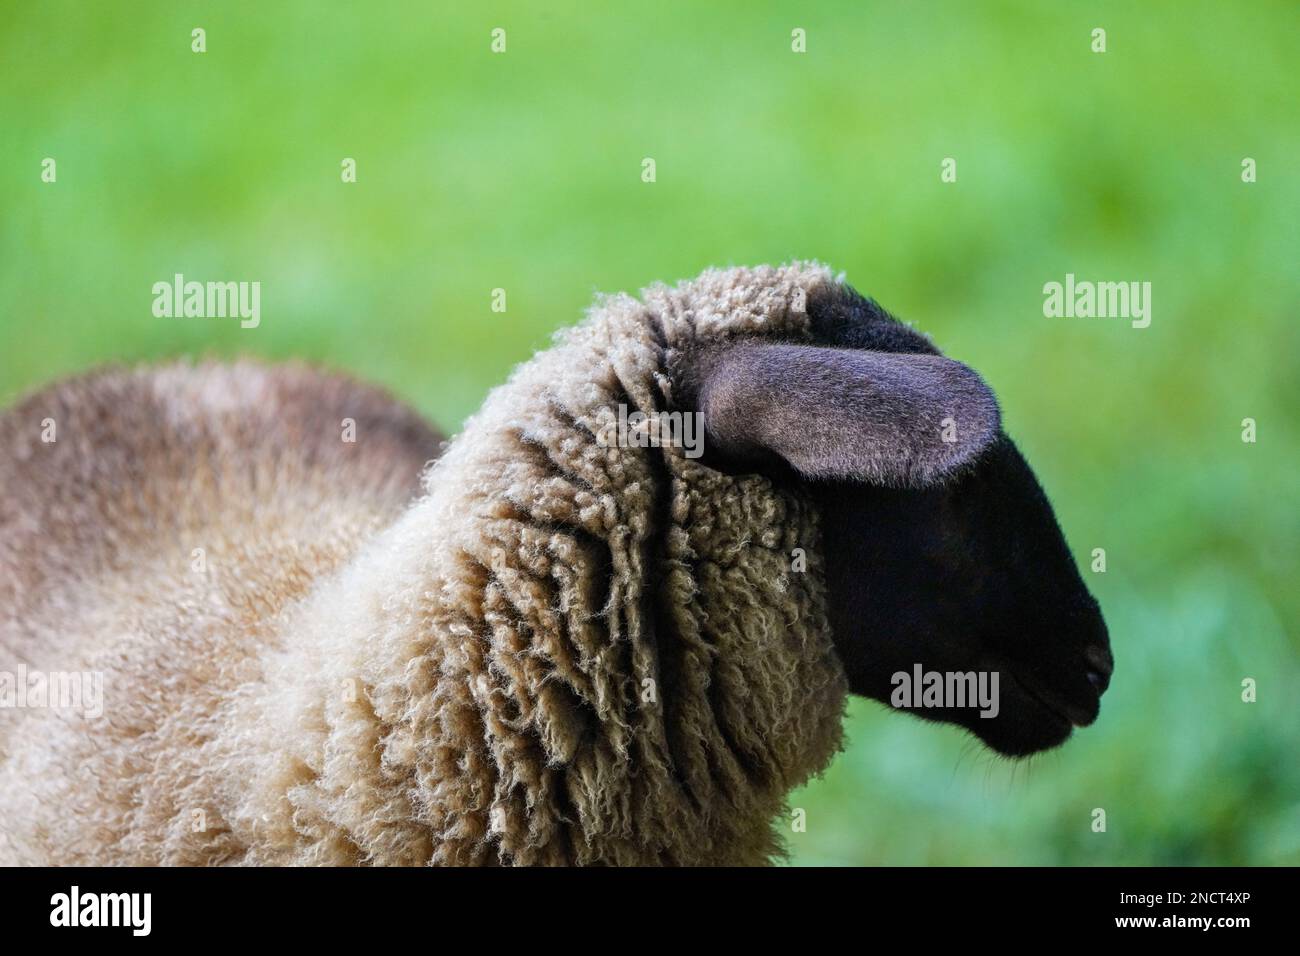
(567, 650)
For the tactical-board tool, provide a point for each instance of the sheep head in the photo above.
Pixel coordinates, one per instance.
(942, 555)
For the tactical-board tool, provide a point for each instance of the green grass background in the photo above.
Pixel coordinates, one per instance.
(522, 171)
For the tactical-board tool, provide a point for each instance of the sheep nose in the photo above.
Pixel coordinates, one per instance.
(1101, 666)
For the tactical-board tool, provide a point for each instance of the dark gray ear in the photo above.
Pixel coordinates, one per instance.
(903, 420)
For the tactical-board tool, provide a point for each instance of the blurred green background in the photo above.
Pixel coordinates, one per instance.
(522, 171)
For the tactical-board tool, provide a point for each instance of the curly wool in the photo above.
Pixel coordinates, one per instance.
(154, 526)
(563, 653)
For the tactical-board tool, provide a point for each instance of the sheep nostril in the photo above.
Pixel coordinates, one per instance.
(1100, 661)
(1099, 681)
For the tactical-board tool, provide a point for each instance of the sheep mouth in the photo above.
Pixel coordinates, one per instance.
(1068, 713)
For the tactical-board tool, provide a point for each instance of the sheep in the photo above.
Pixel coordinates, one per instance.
(581, 640)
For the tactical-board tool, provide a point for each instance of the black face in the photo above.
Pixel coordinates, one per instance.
(942, 555)
(972, 575)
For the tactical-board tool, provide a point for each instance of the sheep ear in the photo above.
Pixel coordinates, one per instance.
(897, 419)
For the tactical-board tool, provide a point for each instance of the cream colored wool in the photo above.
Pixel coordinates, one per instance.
(560, 653)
